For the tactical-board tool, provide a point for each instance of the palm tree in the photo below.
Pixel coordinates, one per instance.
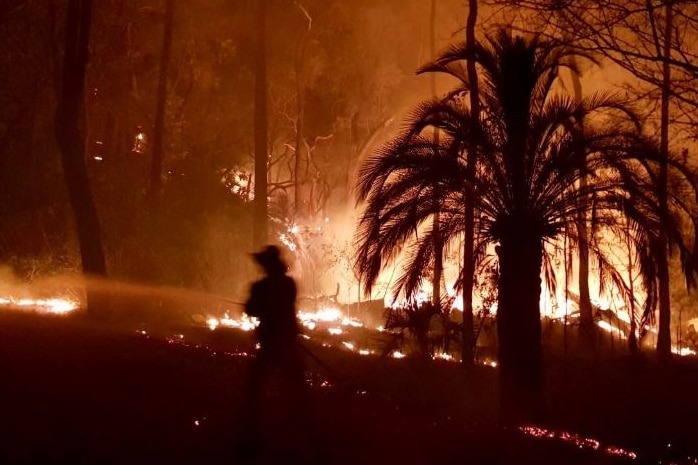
(531, 152)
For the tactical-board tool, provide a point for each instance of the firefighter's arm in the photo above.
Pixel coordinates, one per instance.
(253, 304)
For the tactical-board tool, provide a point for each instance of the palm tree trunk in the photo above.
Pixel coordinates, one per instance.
(159, 128)
(586, 316)
(632, 337)
(438, 242)
(518, 325)
(72, 146)
(260, 131)
(468, 346)
(664, 336)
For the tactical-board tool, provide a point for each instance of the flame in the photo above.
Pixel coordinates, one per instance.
(606, 326)
(683, 351)
(287, 241)
(238, 183)
(53, 306)
(327, 315)
(332, 321)
(245, 323)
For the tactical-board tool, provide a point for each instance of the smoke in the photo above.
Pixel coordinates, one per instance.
(117, 304)
(157, 308)
(54, 286)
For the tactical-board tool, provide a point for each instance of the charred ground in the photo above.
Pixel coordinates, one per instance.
(76, 392)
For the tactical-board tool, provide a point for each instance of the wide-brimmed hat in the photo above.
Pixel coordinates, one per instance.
(270, 258)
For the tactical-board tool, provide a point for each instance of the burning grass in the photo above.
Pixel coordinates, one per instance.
(141, 397)
(165, 382)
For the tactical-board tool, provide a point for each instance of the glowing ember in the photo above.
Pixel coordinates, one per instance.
(577, 440)
(179, 340)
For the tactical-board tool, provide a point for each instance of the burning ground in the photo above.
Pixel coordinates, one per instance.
(77, 392)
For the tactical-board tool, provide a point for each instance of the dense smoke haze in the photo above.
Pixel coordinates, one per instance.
(353, 64)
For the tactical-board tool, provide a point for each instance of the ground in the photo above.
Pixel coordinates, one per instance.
(78, 392)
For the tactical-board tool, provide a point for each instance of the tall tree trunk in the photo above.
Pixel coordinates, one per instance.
(632, 337)
(586, 315)
(518, 324)
(159, 128)
(260, 232)
(438, 241)
(587, 329)
(301, 201)
(72, 147)
(664, 336)
(299, 154)
(468, 338)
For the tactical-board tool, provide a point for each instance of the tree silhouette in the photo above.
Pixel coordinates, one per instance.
(654, 43)
(260, 223)
(155, 184)
(531, 152)
(468, 329)
(71, 144)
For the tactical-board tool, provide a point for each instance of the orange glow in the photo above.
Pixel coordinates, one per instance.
(53, 306)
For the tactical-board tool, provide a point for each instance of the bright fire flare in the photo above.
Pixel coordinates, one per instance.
(683, 351)
(244, 323)
(333, 321)
(52, 306)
